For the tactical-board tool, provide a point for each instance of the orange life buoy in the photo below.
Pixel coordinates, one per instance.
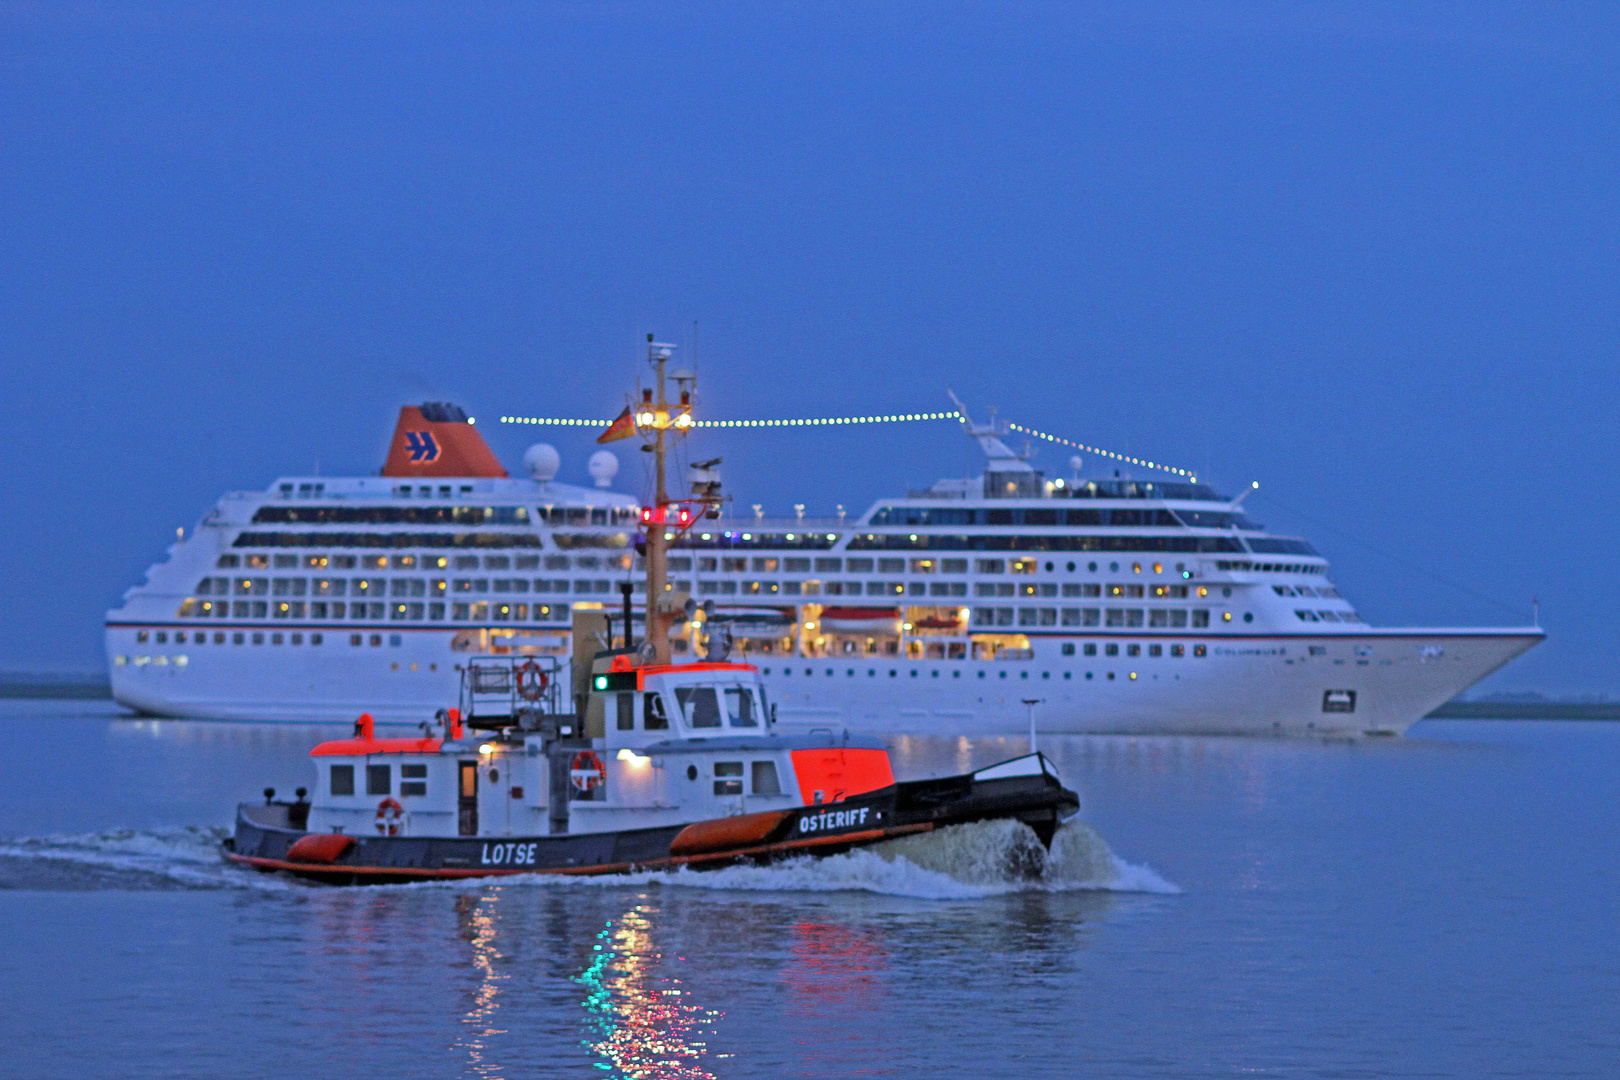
(531, 681)
(587, 771)
(390, 817)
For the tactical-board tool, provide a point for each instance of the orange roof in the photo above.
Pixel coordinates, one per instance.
(702, 665)
(359, 747)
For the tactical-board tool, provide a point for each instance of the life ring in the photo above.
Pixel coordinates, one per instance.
(531, 681)
(587, 772)
(390, 817)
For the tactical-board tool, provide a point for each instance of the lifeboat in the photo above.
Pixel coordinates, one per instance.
(860, 620)
(945, 623)
(667, 766)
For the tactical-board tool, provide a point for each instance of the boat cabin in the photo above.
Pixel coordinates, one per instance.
(660, 745)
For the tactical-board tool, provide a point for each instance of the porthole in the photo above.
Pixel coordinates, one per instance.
(691, 772)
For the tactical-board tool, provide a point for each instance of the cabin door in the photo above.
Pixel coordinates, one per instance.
(467, 800)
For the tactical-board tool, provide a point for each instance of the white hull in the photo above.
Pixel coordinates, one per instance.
(1244, 685)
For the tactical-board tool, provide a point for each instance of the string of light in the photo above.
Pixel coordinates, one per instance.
(810, 421)
(1102, 453)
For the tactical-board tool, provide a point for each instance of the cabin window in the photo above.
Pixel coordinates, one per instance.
(653, 717)
(740, 707)
(343, 780)
(413, 779)
(727, 774)
(378, 781)
(627, 711)
(765, 780)
(699, 705)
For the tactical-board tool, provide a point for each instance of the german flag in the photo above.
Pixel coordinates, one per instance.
(622, 428)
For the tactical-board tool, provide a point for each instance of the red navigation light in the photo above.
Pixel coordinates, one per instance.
(651, 515)
(685, 517)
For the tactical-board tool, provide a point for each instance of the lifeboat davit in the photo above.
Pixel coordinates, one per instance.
(860, 620)
(766, 623)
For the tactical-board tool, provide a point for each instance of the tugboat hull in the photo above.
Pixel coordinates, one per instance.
(265, 839)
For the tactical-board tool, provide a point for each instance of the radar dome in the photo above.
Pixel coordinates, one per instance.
(542, 461)
(603, 467)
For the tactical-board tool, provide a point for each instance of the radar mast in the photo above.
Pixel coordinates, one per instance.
(662, 424)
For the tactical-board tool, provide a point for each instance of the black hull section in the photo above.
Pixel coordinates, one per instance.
(264, 838)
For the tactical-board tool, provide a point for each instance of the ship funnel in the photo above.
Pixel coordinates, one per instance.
(438, 439)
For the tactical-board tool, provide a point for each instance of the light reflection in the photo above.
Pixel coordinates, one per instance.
(479, 921)
(643, 1024)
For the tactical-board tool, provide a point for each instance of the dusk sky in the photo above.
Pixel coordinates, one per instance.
(1364, 254)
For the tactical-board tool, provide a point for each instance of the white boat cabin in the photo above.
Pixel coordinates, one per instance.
(664, 745)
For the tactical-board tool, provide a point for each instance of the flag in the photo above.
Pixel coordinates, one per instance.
(622, 428)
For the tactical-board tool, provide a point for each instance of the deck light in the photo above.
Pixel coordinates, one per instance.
(487, 749)
(636, 760)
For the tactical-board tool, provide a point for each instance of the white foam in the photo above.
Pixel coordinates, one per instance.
(185, 856)
(962, 862)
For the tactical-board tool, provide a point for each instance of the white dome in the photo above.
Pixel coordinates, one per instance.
(542, 461)
(603, 467)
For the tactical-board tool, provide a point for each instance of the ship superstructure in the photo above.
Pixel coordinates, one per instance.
(1119, 604)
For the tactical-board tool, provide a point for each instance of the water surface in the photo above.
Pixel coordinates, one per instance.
(1439, 905)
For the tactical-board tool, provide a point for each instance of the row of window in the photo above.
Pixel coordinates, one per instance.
(1328, 616)
(392, 515)
(395, 587)
(1168, 618)
(386, 540)
(728, 777)
(241, 637)
(863, 565)
(379, 780)
(1270, 568)
(372, 611)
(1119, 518)
(1305, 590)
(1003, 542)
(264, 561)
(1131, 650)
(726, 564)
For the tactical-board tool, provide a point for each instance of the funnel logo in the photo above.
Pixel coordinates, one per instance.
(422, 446)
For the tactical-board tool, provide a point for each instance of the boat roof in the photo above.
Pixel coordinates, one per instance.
(358, 747)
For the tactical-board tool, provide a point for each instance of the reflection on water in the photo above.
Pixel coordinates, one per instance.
(478, 920)
(643, 1025)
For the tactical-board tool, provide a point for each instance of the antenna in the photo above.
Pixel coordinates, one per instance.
(1251, 489)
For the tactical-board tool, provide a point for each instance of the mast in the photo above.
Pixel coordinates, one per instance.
(657, 549)
(661, 425)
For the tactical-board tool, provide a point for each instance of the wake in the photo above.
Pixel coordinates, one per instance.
(183, 857)
(961, 862)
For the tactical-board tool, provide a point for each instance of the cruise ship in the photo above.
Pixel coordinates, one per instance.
(1092, 604)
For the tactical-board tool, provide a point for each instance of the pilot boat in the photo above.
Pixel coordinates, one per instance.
(652, 765)
(677, 765)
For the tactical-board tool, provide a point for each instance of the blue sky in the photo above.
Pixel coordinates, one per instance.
(1364, 254)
